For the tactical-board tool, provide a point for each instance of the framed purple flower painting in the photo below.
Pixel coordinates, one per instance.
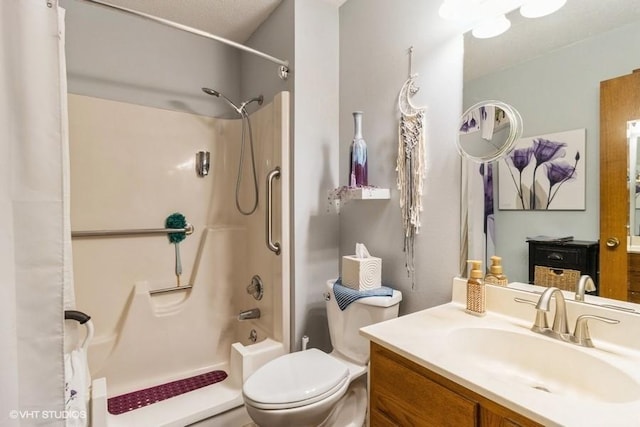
(545, 172)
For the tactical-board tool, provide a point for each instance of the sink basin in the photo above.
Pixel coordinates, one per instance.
(542, 364)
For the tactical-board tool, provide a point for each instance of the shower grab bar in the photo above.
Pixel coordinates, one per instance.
(188, 229)
(273, 246)
(283, 70)
(171, 289)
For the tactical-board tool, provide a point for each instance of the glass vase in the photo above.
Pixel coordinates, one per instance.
(358, 155)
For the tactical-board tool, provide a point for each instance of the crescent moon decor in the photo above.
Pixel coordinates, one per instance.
(410, 165)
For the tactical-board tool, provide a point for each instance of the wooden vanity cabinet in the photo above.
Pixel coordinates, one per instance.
(633, 277)
(403, 393)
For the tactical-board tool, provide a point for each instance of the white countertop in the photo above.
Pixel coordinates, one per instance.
(424, 338)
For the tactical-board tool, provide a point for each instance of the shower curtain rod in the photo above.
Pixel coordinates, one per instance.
(283, 70)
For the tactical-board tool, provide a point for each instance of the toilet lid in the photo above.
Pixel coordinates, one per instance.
(295, 379)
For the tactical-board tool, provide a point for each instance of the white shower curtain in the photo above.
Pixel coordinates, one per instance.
(35, 263)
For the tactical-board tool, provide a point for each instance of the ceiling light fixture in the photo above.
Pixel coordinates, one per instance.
(539, 8)
(487, 18)
(491, 27)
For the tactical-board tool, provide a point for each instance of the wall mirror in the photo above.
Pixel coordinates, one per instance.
(550, 70)
(488, 130)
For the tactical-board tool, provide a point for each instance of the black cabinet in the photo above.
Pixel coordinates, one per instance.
(563, 259)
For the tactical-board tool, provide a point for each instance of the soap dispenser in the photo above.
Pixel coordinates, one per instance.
(475, 290)
(495, 276)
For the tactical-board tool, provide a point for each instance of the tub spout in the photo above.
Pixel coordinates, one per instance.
(254, 313)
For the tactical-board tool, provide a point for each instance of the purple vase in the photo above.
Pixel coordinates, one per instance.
(358, 155)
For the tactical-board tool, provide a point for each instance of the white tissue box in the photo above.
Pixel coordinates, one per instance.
(361, 274)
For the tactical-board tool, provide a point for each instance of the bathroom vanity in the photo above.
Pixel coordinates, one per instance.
(403, 392)
(445, 367)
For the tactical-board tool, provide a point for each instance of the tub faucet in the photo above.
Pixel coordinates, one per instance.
(560, 328)
(585, 284)
(254, 313)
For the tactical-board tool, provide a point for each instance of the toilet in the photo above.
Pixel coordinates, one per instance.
(312, 388)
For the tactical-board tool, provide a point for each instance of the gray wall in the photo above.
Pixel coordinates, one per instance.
(342, 61)
(375, 36)
(306, 33)
(276, 38)
(316, 160)
(121, 57)
(554, 93)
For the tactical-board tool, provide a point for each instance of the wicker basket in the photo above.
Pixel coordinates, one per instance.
(564, 279)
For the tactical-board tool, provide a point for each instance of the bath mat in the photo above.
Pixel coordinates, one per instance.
(138, 399)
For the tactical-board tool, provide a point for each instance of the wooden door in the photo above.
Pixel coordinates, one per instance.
(619, 103)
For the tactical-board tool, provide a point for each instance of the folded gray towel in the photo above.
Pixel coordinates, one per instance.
(345, 296)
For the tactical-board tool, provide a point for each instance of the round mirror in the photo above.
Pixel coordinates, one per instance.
(488, 130)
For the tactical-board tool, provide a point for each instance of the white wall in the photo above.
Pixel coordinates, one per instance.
(375, 36)
(557, 92)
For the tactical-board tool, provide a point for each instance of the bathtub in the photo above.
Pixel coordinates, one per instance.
(144, 339)
(216, 405)
(164, 338)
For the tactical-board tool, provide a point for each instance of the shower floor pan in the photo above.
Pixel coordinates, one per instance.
(148, 396)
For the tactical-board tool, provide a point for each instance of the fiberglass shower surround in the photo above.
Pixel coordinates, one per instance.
(185, 334)
(246, 125)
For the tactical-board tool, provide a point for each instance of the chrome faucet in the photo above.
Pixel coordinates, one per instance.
(585, 284)
(560, 328)
(254, 313)
(581, 334)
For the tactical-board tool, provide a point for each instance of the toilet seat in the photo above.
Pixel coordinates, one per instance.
(295, 380)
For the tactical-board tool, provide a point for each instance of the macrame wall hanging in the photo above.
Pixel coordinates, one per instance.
(411, 165)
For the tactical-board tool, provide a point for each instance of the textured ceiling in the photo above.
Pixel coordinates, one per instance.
(232, 19)
(529, 38)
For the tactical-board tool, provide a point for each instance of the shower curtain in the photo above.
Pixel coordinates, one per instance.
(35, 264)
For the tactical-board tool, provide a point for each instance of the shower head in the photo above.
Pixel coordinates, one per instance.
(241, 109)
(215, 93)
(210, 91)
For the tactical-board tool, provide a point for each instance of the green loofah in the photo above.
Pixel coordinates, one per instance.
(176, 220)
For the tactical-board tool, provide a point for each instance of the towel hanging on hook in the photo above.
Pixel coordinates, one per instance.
(77, 375)
(411, 165)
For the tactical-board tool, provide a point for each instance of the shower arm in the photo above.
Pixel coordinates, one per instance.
(283, 70)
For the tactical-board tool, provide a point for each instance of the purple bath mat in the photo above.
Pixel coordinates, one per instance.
(141, 398)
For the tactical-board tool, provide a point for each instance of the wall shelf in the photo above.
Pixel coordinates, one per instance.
(367, 194)
(344, 194)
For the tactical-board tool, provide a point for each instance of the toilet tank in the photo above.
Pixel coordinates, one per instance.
(344, 326)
